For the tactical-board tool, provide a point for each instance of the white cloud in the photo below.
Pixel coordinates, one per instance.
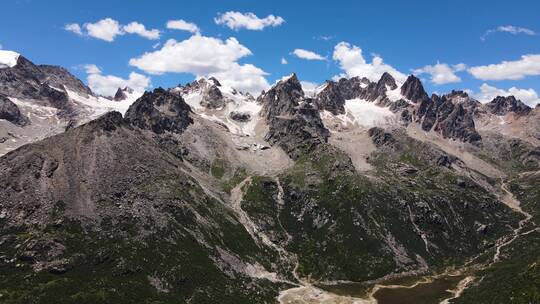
(107, 85)
(140, 29)
(199, 55)
(352, 61)
(108, 29)
(528, 65)
(205, 56)
(74, 28)
(514, 30)
(183, 26)
(442, 73)
(308, 55)
(284, 61)
(237, 20)
(245, 77)
(488, 93)
(105, 29)
(92, 69)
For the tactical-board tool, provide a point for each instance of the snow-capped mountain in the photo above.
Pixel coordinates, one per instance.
(200, 193)
(238, 111)
(49, 98)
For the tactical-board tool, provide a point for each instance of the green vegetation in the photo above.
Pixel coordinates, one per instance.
(516, 278)
(134, 257)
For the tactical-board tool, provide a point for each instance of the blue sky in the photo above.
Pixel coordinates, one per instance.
(407, 35)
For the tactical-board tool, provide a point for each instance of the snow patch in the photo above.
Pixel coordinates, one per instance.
(367, 113)
(394, 95)
(100, 105)
(8, 59)
(236, 102)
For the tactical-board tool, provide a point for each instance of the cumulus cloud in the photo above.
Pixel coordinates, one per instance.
(140, 29)
(183, 25)
(442, 73)
(352, 62)
(488, 93)
(108, 29)
(284, 61)
(199, 55)
(92, 69)
(528, 65)
(245, 77)
(514, 30)
(74, 28)
(205, 56)
(237, 20)
(308, 55)
(107, 85)
(105, 29)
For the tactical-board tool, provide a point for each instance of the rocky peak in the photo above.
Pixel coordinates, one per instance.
(214, 81)
(282, 98)
(454, 121)
(450, 115)
(353, 87)
(109, 121)
(376, 91)
(330, 99)
(43, 83)
(387, 81)
(210, 89)
(122, 94)
(212, 97)
(501, 105)
(293, 121)
(60, 77)
(413, 90)
(160, 111)
(457, 94)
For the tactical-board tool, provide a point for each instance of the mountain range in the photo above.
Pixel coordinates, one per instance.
(200, 193)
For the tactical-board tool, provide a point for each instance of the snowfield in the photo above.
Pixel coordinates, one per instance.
(8, 59)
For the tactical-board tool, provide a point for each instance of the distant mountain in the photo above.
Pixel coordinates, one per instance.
(43, 100)
(204, 194)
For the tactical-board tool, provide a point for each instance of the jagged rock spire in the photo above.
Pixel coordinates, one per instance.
(501, 105)
(413, 90)
(330, 99)
(282, 98)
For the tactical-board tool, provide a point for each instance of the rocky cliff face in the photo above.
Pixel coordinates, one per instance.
(413, 90)
(293, 121)
(503, 105)
(59, 77)
(450, 115)
(331, 99)
(10, 112)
